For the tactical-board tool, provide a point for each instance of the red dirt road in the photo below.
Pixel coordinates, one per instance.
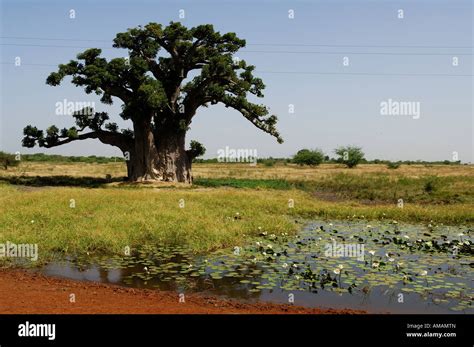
(25, 292)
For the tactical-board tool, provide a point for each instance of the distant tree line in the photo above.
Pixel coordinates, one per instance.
(56, 158)
(349, 155)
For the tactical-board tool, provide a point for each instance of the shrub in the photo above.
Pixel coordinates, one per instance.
(309, 157)
(349, 155)
(393, 165)
(269, 162)
(430, 185)
(197, 149)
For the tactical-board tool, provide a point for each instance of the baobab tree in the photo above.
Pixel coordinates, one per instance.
(170, 72)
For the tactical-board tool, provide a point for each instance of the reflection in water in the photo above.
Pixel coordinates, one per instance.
(277, 266)
(225, 286)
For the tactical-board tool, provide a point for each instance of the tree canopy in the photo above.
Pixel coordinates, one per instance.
(351, 156)
(309, 157)
(169, 73)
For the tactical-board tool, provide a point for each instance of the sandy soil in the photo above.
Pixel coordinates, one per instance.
(26, 292)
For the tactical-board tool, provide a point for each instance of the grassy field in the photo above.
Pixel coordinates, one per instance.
(238, 170)
(53, 204)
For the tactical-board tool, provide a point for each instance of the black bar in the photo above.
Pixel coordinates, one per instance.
(267, 330)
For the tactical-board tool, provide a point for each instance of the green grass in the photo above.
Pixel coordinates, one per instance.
(244, 183)
(117, 215)
(376, 187)
(379, 187)
(109, 219)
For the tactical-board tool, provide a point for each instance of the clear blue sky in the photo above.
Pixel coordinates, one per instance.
(300, 61)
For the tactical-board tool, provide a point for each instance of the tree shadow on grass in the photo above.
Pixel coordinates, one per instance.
(60, 181)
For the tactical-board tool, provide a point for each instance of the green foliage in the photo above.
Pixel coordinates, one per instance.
(32, 135)
(309, 157)
(153, 87)
(197, 149)
(55, 158)
(431, 184)
(8, 159)
(393, 165)
(351, 156)
(270, 162)
(207, 161)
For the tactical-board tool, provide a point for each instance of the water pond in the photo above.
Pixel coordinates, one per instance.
(375, 266)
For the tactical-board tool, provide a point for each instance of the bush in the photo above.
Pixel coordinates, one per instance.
(430, 185)
(269, 162)
(309, 157)
(7, 159)
(349, 155)
(197, 149)
(393, 165)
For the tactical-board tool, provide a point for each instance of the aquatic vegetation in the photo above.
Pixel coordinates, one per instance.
(425, 269)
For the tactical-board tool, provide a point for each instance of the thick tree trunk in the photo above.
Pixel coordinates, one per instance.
(142, 161)
(173, 162)
(163, 158)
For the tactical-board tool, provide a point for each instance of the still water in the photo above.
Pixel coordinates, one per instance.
(379, 267)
